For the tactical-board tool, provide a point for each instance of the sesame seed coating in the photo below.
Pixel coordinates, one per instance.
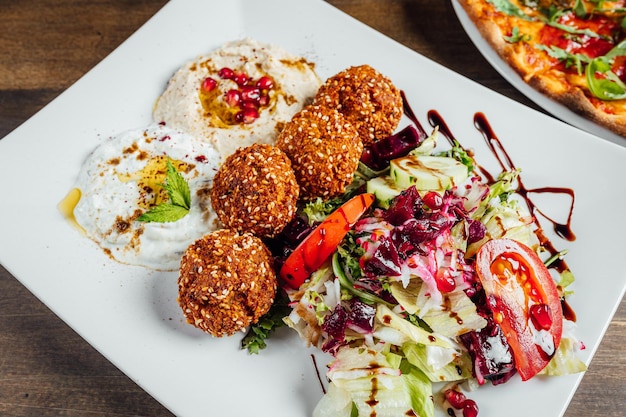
(226, 282)
(367, 99)
(255, 190)
(324, 150)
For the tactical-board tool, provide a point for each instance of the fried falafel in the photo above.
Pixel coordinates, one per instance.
(226, 282)
(255, 190)
(367, 99)
(324, 150)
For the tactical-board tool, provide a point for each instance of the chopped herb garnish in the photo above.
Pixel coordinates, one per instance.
(509, 8)
(516, 36)
(569, 59)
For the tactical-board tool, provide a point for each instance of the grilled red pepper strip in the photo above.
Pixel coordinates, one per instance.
(322, 242)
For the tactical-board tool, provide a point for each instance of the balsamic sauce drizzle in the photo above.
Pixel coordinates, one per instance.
(564, 230)
(317, 372)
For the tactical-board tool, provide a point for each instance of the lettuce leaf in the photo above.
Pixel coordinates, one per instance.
(457, 369)
(459, 315)
(420, 390)
(415, 333)
(364, 380)
(565, 361)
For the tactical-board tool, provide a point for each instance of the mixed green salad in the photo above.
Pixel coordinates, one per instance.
(424, 282)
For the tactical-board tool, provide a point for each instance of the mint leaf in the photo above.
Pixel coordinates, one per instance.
(180, 199)
(164, 213)
(176, 187)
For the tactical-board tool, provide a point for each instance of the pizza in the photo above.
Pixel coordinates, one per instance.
(573, 51)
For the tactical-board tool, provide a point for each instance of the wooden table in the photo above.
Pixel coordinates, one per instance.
(46, 369)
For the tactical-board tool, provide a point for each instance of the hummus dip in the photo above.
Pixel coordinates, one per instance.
(186, 105)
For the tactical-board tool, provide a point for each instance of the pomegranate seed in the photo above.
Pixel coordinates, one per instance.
(460, 402)
(455, 398)
(226, 73)
(248, 115)
(249, 93)
(208, 84)
(265, 83)
(264, 100)
(240, 78)
(470, 409)
(232, 98)
(433, 200)
(471, 292)
(541, 316)
(249, 105)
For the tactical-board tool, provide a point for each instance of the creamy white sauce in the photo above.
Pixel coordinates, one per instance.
(180, 106)
(112, 184)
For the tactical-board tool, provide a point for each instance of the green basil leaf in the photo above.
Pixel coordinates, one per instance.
(618, 50)
(609, 87)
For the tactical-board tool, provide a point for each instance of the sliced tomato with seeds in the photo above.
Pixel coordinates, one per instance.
(524, 300)
(323, 240)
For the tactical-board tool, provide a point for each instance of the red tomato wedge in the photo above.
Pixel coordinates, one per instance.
(322, 242)
(524, 300)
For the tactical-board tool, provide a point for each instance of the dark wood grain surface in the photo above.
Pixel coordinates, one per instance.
(46, 369)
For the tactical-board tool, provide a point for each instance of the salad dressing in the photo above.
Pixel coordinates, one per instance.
(564, 230)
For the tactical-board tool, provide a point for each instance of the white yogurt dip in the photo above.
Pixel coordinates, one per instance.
(121, 179)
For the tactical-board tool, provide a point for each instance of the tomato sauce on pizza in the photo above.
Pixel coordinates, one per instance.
(573, 51)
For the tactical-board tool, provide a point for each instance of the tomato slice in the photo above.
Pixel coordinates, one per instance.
(323, 240)
(524, 300)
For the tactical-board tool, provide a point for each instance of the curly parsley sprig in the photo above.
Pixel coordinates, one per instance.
(254, 340)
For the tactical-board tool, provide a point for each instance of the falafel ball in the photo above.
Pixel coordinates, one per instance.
(367, 98)
(324, 150)
(226, 282)
(255, 190)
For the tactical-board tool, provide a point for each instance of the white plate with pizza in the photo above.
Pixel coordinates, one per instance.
(130, 313)
(552, 106)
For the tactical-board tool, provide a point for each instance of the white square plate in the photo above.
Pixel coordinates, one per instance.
(130, 314)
